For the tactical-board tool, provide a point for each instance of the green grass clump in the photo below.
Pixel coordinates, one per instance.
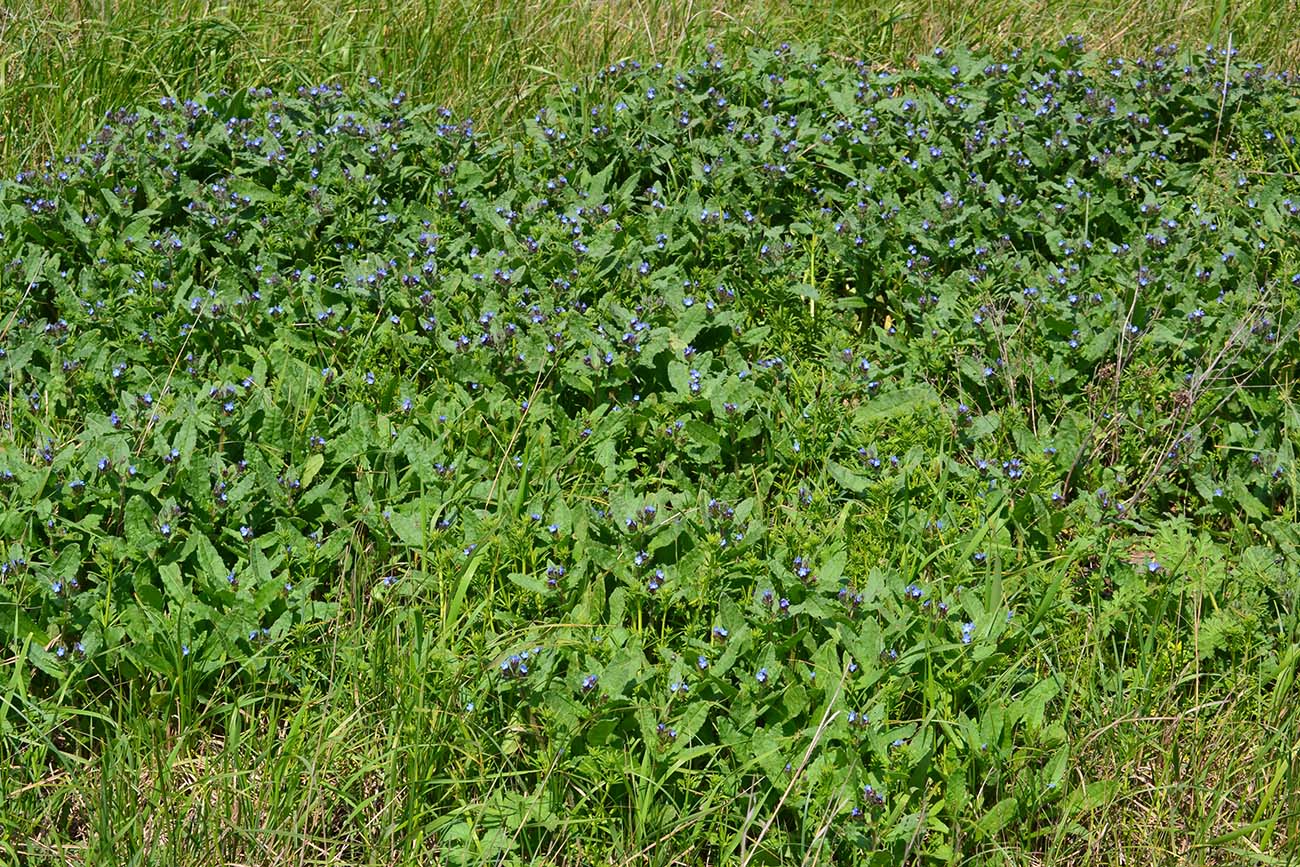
(771, 459)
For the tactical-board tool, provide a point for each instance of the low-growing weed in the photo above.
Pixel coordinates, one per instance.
(776, 459)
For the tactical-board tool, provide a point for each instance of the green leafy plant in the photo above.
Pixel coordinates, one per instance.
(726, 428)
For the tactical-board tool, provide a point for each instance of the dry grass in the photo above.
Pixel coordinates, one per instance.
(1194, 780)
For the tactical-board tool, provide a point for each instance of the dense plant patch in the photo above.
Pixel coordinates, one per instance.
(765, 418)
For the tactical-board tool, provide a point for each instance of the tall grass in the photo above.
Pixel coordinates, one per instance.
(361, 760)
(63, 63)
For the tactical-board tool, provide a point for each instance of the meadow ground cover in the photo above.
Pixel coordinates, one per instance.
(63, 63)
(772, 459)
